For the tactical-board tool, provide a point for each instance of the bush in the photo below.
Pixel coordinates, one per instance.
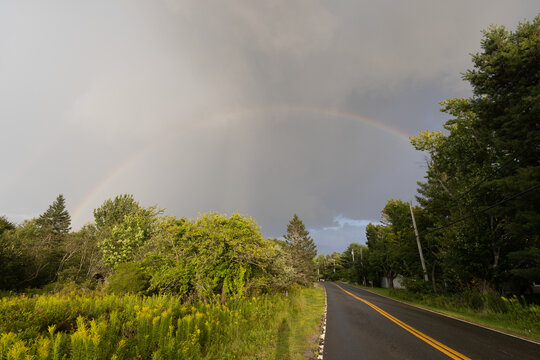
(494, 302)
(416, 285)
(472, 299)
(128, 278)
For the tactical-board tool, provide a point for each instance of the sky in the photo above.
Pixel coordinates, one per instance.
(268, 108)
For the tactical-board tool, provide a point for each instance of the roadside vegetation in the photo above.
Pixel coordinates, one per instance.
(136, 284)
(92, 325)
(477, 216)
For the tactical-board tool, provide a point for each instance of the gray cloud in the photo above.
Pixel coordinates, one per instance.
(224, 106)
(343, 232)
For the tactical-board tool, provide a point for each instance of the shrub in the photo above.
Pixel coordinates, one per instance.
(128, 278)
(416, 285)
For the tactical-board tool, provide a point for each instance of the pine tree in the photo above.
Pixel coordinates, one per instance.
(56, 219)
(302, 250)
(5, 224)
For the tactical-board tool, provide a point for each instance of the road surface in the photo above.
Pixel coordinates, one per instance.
(364, 325)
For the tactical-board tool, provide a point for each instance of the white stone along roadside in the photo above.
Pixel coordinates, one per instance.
(323, 327)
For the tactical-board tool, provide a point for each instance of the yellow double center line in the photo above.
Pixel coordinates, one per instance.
(437, 345)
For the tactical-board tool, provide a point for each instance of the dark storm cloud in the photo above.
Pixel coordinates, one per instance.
(184, 103)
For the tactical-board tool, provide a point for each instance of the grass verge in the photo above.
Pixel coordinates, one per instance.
(509, 315)
(99, 326)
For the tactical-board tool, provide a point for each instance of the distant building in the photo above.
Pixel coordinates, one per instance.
(397, 282)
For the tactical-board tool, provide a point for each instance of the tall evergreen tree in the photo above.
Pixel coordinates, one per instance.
(56, 219)
(42, 240)
(302, 250)
(5, 224)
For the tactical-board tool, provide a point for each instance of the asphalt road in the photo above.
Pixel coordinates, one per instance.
(364, 325)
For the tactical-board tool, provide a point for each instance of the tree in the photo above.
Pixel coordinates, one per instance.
(506, 85)
(55, 220)
(82, 259)
(483, 175)
(467, 250)
(125, 239)
(41, 253)
(112, 212)
(302, 250)
(354, 262)
(42, 241)
(13, 259)
(211, 257)
(280, 271)
(123, 226)
(382, 255)
(5, 225)
(397, 217)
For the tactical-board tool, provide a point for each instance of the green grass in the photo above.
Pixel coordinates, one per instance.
(306, 312)
(509, 315)
(101, 326)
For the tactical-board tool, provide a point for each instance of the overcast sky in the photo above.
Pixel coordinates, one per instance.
(262, 107)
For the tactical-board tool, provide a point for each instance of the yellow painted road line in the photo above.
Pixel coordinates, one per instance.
(437, 345)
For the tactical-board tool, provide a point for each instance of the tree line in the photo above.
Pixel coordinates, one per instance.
(478, 207)
(136, 249)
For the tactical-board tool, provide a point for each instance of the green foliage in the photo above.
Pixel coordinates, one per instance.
(123, 227)
(209, 256)
(124, 240)
(112, 212)
(280, 273)
(383, 255)
(98, 326)
(479, 219)
(82, 259)
(136, 249)
(302, 250)
(526, 264)
(32, 256)
(330, 267)
(128, 278)
(56, 220)
(38, 243)
(5, 225)
(14, 261)
(417, 285)
(207, 267)
(355, 263)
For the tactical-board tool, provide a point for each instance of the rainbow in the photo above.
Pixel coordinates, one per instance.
(228, 116)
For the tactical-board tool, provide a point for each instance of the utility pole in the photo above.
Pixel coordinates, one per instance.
(334, 265)
(362, 263)
(351, 270)
(418, 243)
